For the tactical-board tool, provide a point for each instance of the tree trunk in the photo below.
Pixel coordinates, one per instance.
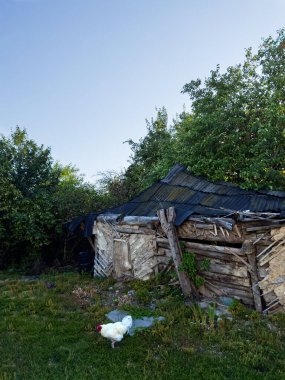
(249, 250)
(167, 218)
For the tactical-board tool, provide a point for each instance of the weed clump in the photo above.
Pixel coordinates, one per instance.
(237, 309)
(192, 267)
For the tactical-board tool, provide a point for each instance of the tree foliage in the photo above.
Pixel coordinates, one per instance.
(152, 155)
(28, 180)
(113, 188)
(236, 129)
(74, 196)
(37, 196)
(234, 132)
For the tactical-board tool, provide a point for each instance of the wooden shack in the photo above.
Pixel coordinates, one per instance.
(241, 232)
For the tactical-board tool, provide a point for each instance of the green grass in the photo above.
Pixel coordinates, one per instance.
(50, 334)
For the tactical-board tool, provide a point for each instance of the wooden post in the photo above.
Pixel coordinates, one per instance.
(93, 245)
(167, 218)
(249, 250)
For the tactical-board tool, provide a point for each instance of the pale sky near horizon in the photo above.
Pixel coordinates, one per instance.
(83, 75)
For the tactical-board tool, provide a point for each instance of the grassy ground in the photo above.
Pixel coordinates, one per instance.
(48, 332)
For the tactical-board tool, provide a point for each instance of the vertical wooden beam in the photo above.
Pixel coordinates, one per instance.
(167, 218)
(250, 251)
(155, 247)
(93, 245)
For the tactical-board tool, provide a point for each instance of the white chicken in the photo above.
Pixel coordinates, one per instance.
(115, 331)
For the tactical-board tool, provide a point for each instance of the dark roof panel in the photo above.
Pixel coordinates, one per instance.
(192, 195)
(195, 195)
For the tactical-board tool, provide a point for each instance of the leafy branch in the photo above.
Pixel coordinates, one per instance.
(193, 267)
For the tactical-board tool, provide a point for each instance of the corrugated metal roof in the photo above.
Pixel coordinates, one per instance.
(190, 195)
(194, 195)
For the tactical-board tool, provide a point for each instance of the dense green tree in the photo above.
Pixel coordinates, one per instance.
(74, 196)
(152, 156)
(28, 180)
(37, 196)
(234, 132)
(113, 187)
(236, 129)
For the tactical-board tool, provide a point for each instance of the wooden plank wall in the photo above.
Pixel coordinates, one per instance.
(146, 251)
(228, 273)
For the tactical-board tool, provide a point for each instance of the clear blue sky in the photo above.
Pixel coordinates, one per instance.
(83, 75)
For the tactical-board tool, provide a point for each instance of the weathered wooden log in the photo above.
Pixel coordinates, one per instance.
(276, 309)
(204, 226)
(233, 251)
(218, 264)
(224, 279)
(261, 245)
(250, 251)
(129, 230)
(121, 259)
(163, 252)
(163, 259)
(140, 220)
(206, 247)
(167, 223)
(213, 248)
(258, 228)
(267, 259)
(237, 230)
(226, 258)
(268, 247)
(238, 287)
(258, 239)
(233, 292)
(274, 304)
(268, 297)
(272, 250)
(163, 244)
(235, 270)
